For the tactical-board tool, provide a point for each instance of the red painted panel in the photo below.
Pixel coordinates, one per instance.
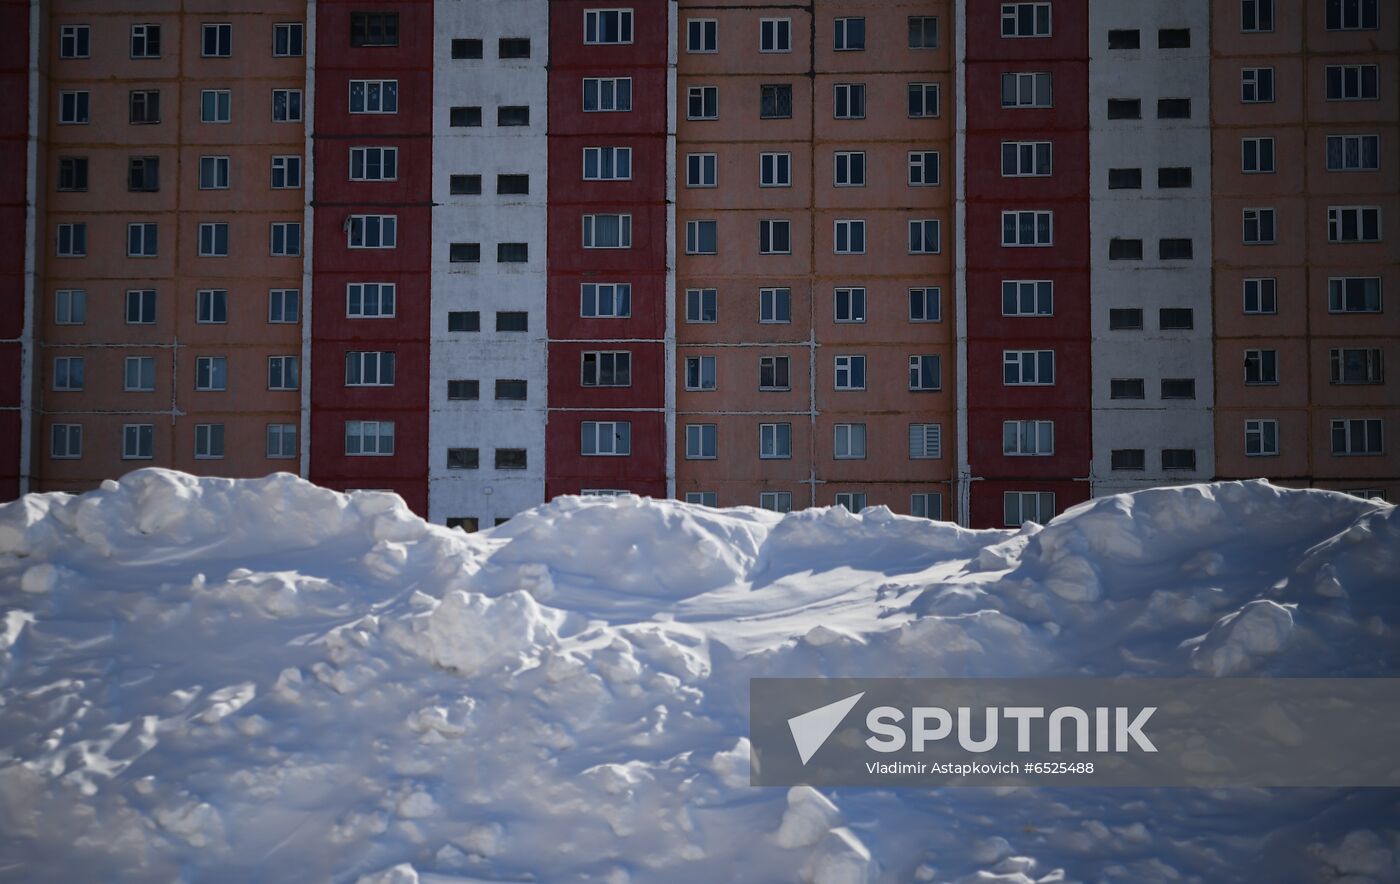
(566, 113)
(1069, 152)
(1069, 33)
(648, 388)
(329, 322)
(646, 464)
(567, 186)
(648, 318)
(648, 252)
(987, 503)
(415, 171)
(14, 134)
(650, 31)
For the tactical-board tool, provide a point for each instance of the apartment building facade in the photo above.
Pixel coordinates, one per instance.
(968, 261)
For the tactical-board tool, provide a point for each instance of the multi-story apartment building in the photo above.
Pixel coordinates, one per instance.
(976, 261)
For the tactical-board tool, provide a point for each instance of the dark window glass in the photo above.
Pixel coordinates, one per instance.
(143, 174)
(464, 184)
(512, 321)
(1174, 38)
(1124, 179)
(1125, 39)
(513, 390)
(374, 29)
(463, 458)
(72, 173)
(1178, 458)
(466, 48)
(510, 458)
(1174, 176)
(1174, 249)
(1173, 108)
(464, 321)
(461, 389)
(775, 102)
(1124, 249)
(1178, 388)
(1127, 388)
(1128, 459)
(464, 116)
(512, 184)
(1123, 318)
(513, 116)
(1124, 109)
(513, 47)
(464, 252)
(512, 252)
(1175, 318)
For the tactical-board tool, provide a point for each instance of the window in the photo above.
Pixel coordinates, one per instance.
(775, 170)
(216, 40)
(1027, 297)
(459, 185)
(606, 300)
(1353, 224)
(281, 440)
(700, 373)
(850, 237)
(1257, 155)
(850, 101)
(510, 459)
(1353, 153)
(1174, 38)
(774, 373)
(1025, 90)
(1351, 15)
(850, 168)
(69, 307)
(1353, 82)
(1261, 366)
(1028, 367)
(925, 305)
(702, 103)
(369, 438)
(513, 47)
(66, 441)
(138, 441)
(607, 368)
(461, 390)
(700, 170)
(1178, 388)
(923, 168)
(464, 116)
(775, 501)
(850, 442)
(372, 231)
(145, 41)
(72, 173)
(1357, 366)
(1127, 459)
(74, 41)
(607, 231)
(1261, 438)
(1020, 507)
(374, 29)
(1356, 436)
(285, 239)
(143, 174)
(286, 172)
(850, 34)
(1261, 295)
(1125, 39)
(286, 105)
(211, 306)
(469, 524)
(924, 373)
(701, 237)
(774, 237)
(283, 305)
(68, 373)
(701, 305)
(926, 505)
(607, 94)
(925, 441)
(774, 441)
(142, 240)
(702, 35)
(1125, 108)
(464, 253)
(1025, 19)
(607, 164)
(1178, 458)
(72, 240)
(73, 108)
(1028, 438)
(1173, 176)
(145, 106)
(211, 373)
(464, 321)
(923, 32)
(1174, 249)
(850, 373)
(512, 321)
(607, 438)
(1127, 388)
(374, 163)
(850, 305)
(215, 106)
(1175, 318)
(1256, 85)
(1124, 179)
(517, 115)
(512, 253)
(701, 441)
(282, 372)
(465, 48)
(1258, 226)
(369, 368)
(288, 40)
(607, 26)
(923, 100)
(370, 300)
(1354, 294)
(139, 374)
(140, 306)
(851, 501)
(1026, 228)
(775, 101)
(512, 390)
(1025, 159)
(1173, 108)
(1256, 15)
(775, 305)
(376, 97)
(775, 35)
(213, 173)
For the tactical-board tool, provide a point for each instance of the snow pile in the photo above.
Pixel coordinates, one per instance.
(264, 680)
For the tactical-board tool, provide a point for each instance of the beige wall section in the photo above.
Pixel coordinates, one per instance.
(249, 205)
(1300, 190)
(886, 202)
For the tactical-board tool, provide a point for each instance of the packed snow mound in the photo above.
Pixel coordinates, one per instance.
(205, 679)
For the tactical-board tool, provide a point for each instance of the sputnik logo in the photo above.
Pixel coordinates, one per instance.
(810, 730)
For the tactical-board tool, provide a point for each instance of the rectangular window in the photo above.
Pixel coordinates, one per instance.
(512, 253)
(286, 105)
(216, 40)
(369, 368)
(72, 173)
(142, 240)
(1028, 367)
(1360, 365)
(73, 108)
(144, 106)
(369, 438)
(211, 373)
(702, 103)
(374, 163)
(139, 374)
(850, 168)
(775, 305)
(1125, 108)
(923, 32)
(1173, 108)
(143, 174)
(701, 305)
(1020, 507)
(775, 101)
(1134, 459)
(1025, 89)
(850, 442)
(702, 498)
(925, 374)
(925, 305)
(775, 501)
(288, 40)
(285, 239)
(140, 306)
(1261, 367)
(510, 459)
(850, 101)
(1259, 226)
(517, 115)
(1175, 318)
(850, 304)
(213, 173)
(923, 168)
(71, 240)
(850, 373)
(924, 237)
(1028, 438)
(1256, 15)
(607, 368)
(849, 34)
(1127, 388)
(607, 438)
(374, 29)
(69, 307)
(851, 501)
(513, 47)
(1178, 388)
(211, 306)
(925, 441)
(1174, 38)
(1256, 85)
(775, 170)
(774, 373)
(1353, 82)
(466, 48)
(850, 237)
(464, 253)
(700, 170)
(1027, 228)
(1025, 19)
(1261, 295)
(1353, 224)
(462, 390)
(68, 373)
(372, 231)
(607, 94)
(283, 372)
(606, 300)
(926, 505)
(923, 100)
(1352, 15)
(1261, 438)
(370, 300)
(1173, 177)
(286, 172)
(145, 41)
(774, 441)
(1021, 159)
(607, 26)
(1178, 459)
(1027, 297)
(464, 117)
(375, 97)
(1174, 249)
(215, 106)
(607, 164)
(281, 440)
(1124, 179)
(701, 237)
(138, 441)
(66, 441)
(74, 41)
(512, 321)
(775, 35)
(1353, 153)
(1354, 294)
(1357, 436)
(1125, 39)
(700, 373)
(701, 441)
(774, 237)
(464, 321)
(1257, 155)
(283, 305)
(512, 390)
(607, 231)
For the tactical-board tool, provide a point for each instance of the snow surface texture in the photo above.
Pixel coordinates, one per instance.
(262, 680)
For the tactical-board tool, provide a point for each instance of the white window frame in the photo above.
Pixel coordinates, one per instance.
(1258, 217)
(705, 377)
(65, 375)
(1256, 8)
(770, 365)
(775, 501)
(286, 30)
(208, 441)
(1336, 224)
(1028, 438)
(71, 240)
(210, 304)
(213, 173)
(362, 431)
(693, 242)
(1028, 82)
(850, 442)
(283, 306)
(362, 291)
(851, 501)
(775, 169)
(920, 167)
(848, 304)
(925, 441)
(774, 35)
(624, 230)
(144, 301)
(1360, 141)
(1256, 433)
(74, 107)
(707, 32)
(1257, 85)
(275, 441)
(223, 39)
(374, 163)
(701, 170)
(768, 236)
(1258, 143)
(593, 20)
(930, 299)
(775, 441)
(845, 368)
(925, 89)
(609, 95)
(919, 238)
(600, 430)
(1010, 15)
(620, 296)
(768, 302)
(1338, 297)
(371, 368)
(1264, 291)
(70, 307)
(1264, 359)
(926, 505)
(1348, 427)
(372, 232)
(848, 227)
(1028, 364)
(145, 235)
(1039, 501)
(284, 239)
(1040, 291)
(1362, 11)
(620, 368)
(613, 155)
(66, 441)
(850, 94)
(138, 374)
(916, 373)
(842, 38)
(695, 300)
(702, 94)
(848, 168)
(1036, 216)
(75, 41)
(292, 106)
(289, 168)
(222, 110)
(1360, 71)
(284, 372)
(701, 441)
(211, 374)
(372, 96)
(138, 441)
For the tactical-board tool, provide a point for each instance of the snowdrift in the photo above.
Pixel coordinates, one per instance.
(214, 680)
